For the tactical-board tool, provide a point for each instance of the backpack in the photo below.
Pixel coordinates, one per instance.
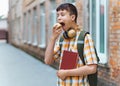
(92, 78)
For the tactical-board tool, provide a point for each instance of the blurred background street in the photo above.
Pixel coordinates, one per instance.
(17, 68)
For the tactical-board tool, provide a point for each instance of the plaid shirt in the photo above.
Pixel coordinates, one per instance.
(89, 57)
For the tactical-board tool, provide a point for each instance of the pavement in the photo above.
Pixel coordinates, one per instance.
(18, 68)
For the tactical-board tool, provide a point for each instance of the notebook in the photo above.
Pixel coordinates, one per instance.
(69, 60)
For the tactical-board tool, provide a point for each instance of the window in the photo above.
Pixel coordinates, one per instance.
(35, 27)
(42, 27)
(93, 17)
(29, 28)
(98, 27)
(25, 28)
(17, 30)
(70, 1)
(52, 15)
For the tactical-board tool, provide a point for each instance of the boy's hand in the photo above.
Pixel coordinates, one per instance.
(61, 74)
(57, 29)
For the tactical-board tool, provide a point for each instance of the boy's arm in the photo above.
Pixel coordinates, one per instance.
(50, 51)
(81, 71)
(50, 48)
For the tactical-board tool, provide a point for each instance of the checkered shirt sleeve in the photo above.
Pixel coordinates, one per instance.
(89, 51)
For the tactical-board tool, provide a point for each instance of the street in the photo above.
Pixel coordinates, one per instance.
(18, 68)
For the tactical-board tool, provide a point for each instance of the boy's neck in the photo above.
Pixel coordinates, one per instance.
(74, 25)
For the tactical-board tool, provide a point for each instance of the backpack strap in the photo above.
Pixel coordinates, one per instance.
(61, 42)
(80, 44)
(92, 78)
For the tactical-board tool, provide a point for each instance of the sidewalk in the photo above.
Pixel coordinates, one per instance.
(17, 68)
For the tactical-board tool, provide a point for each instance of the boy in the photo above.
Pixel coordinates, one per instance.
(67, 17)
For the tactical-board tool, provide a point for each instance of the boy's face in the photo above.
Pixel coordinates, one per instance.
(64, 18)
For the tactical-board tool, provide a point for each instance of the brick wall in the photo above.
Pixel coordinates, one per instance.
(114, 40)
(109, 75)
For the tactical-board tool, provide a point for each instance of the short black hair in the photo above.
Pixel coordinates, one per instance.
(70, 8)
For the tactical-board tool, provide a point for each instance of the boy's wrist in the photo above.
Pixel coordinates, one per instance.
(67, 73)
(53, 39)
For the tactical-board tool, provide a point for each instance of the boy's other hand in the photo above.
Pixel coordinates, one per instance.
(61, 74)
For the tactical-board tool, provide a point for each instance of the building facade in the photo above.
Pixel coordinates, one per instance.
(31, 21)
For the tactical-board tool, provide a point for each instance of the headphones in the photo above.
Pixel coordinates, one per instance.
(70, 33)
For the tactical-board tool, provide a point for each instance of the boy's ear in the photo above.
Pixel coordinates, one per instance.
(73, 17)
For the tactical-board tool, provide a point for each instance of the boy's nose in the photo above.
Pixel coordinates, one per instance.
(59, 19)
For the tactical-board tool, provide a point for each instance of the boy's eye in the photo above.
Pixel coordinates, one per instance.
(62, 14)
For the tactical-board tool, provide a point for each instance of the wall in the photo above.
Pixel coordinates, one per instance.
(109, 74)
(114, 39)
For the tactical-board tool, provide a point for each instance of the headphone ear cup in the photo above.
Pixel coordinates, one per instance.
(71, 33)
(65, 35)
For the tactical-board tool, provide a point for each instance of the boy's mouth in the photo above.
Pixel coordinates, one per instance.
(63, 24)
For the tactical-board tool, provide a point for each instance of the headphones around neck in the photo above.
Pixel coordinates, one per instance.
(70, 33)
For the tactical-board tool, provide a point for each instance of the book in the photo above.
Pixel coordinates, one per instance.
(69, 60)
